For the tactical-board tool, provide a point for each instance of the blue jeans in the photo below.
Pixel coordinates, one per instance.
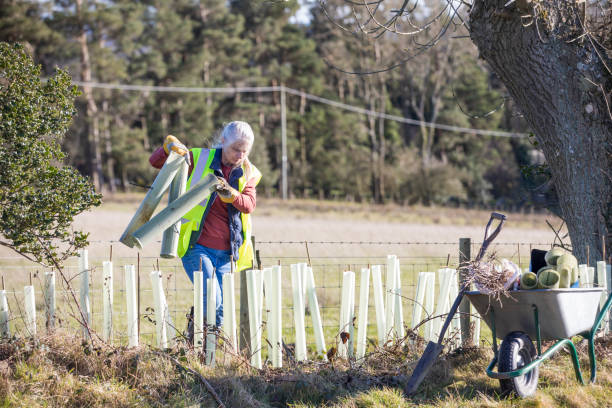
(212, 260)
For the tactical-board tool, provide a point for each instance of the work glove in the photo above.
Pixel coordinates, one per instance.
(226, 192)
(172, 144)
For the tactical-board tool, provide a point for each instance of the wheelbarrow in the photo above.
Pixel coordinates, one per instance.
(542, 314)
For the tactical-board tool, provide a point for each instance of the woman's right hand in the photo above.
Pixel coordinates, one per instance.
(171, 143)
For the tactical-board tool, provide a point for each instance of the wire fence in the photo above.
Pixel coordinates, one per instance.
(329, 259)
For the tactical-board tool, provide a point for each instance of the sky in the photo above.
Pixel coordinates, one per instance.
(303, 14)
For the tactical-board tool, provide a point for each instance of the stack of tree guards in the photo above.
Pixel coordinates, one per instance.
(561, 271)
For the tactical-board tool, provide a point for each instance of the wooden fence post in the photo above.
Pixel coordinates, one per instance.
(465, 246)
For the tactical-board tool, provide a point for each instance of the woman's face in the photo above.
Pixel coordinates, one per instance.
(234, 154)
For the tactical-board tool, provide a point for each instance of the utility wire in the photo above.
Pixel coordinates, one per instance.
(253, 89)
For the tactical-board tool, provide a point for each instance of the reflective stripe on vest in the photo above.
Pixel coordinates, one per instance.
(191, 221)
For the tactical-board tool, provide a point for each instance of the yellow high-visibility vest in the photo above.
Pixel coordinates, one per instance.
(192, 222)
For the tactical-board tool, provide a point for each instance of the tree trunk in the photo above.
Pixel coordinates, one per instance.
(553, 77)
(302, 138)
(92, 109)
(108, 147)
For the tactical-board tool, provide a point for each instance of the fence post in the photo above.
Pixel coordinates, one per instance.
(50, 300)
(465, 247)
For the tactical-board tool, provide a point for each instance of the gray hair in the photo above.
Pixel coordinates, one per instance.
(233, 132)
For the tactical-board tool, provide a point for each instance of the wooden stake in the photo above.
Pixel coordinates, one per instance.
(307, 253)
(588, 254)
(447, 260)
(110, 257)
(603, 247)
(30, 278)
(3, 288)
(201, 264)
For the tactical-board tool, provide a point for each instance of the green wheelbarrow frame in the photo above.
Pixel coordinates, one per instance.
(561, 341)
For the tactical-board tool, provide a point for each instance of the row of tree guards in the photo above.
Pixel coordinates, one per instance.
(265, 287)
(262, 286)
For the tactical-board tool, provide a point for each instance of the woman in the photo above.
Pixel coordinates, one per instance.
(217, 232)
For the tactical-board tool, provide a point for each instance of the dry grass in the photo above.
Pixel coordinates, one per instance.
(62, 371)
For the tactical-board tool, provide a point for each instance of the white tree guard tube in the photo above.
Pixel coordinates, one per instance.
(160, 309)
(174, 211)
(84, 292)
(452, 295)
(198, 310)
(602, 282)
(583, 276)
(399, 311)
(346, 314)
(49, 300)
(153, 197)
(419, 305)
(229, 311)
(4, 316)
(303, 267)
(131, 298)
(315, 313)
(443, 306)
(260, 298)
(429, 306)
(278, 315)
(107, 301)
(379, 305)
(298, 313)
(169, 244)
(252, 294)
(30, 311)
(362, 319)
(390, 297)
(591, 275)
(269, 301)
(211, 317)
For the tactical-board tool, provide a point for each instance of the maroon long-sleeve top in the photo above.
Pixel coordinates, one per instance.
(215, 233)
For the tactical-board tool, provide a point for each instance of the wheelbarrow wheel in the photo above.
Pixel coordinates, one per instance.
(516, 351)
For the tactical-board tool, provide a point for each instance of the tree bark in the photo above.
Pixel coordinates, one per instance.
(108, 147)
(554, 76)
(92, 109)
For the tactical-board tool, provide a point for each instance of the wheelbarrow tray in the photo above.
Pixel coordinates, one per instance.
(563, 313)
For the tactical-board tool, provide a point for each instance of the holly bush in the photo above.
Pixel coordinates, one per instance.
(39, 195)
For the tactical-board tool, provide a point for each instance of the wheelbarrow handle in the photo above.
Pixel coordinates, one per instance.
(488, 238)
